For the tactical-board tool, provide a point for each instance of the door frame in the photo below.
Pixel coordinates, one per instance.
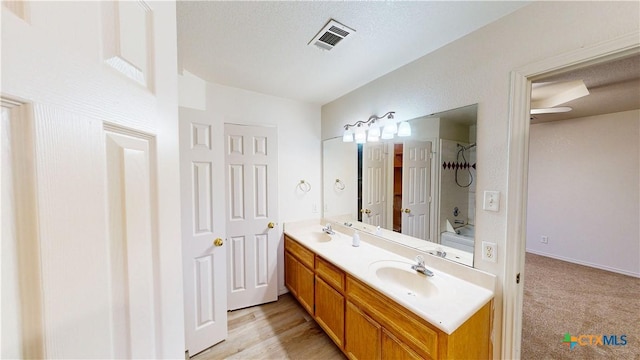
(518, 166)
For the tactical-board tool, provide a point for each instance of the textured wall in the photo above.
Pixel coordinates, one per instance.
(584, 193)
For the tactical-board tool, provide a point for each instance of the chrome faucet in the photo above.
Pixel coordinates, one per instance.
(439, 253)
(420, 266)
(327, 229)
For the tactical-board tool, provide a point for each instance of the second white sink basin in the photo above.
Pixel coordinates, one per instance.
(400, 279)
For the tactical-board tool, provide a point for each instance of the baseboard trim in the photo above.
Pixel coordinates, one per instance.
(282, 291)
(585, 263)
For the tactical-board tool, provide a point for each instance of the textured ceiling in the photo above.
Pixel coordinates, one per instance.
(613, 86)
(262, 46)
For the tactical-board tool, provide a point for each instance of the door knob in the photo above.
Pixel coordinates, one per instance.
(271, 225)
(407, 210)
(218, 242)
(367, 211)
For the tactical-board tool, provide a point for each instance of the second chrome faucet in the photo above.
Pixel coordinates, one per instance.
(327, 229)
(419, 267)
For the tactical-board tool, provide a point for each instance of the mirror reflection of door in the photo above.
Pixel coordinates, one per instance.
(416, 185)
(374, 201)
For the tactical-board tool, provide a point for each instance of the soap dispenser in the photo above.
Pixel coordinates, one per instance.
(356, 239)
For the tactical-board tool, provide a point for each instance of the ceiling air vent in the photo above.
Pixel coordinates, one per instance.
(330, 35)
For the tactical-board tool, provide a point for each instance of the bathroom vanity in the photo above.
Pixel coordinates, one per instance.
(373, 306)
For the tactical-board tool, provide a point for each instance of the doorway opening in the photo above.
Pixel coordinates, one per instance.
(518, 163)
(584, 171)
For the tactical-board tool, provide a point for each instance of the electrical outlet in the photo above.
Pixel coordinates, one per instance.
(489, 251)
(544, 239)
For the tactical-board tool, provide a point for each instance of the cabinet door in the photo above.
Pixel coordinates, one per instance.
(363, 335)
(290, 270)
(330, 311)
(304, 282)
(393, 348)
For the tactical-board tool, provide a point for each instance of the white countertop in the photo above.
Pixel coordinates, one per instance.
(454, 302)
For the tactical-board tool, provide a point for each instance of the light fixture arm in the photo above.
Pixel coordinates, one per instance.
(372, 119)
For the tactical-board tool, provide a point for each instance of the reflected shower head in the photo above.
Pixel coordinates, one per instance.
(467, 147)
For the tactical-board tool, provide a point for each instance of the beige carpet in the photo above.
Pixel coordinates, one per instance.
(561, 297)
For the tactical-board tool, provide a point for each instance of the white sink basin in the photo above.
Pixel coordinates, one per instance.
(399, 278)
(319, 236)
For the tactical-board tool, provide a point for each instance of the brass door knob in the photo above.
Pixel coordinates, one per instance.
(271, 225)
(218, 242)
(367, 211)
(362, 210)
(407, 210)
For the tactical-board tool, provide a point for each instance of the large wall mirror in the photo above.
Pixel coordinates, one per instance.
(419, 190)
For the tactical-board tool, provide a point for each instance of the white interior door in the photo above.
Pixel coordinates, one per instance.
(251, 186)
(202, 186)
(374, 197)
(416, 188)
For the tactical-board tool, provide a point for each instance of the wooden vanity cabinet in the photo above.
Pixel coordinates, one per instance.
(299, 274)
(290, 273)
(408, 336)
(330, 311)
(330, 299)
(363, 335)
(366, 324)
(393, 348)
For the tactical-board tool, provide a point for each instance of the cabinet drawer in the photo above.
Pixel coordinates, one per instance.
(392, 348)
(305, 256)
(329, 273)
(407, 327)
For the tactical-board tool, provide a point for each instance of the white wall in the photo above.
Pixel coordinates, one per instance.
(340, 161)
(584, 193)
(299, 145)
(55, 61)
(475, 69)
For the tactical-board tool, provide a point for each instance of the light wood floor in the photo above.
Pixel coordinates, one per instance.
(278, 330)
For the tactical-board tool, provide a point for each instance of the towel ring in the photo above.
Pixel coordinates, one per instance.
(339, 185)
(304, 186)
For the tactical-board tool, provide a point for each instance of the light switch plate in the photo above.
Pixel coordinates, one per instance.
(491, 201)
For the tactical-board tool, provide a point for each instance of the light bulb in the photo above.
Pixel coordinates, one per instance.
(374, 131)
(386, 136)
(390, 128)
(347, 136)
(371, 137)
(360, 135)
(404, 129)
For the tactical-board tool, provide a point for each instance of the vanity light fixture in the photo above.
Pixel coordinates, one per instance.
(375, 128)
